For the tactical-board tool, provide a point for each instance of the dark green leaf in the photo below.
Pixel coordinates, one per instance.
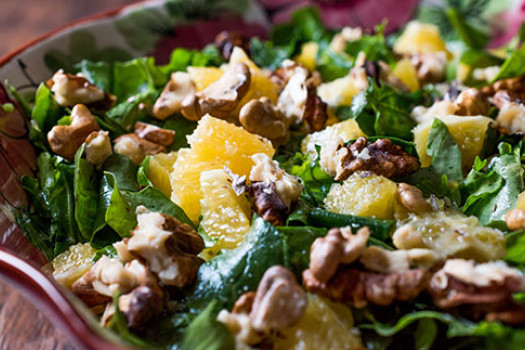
(206, 333)
(374, 46)
(46, 111)
(513, 66)
(445, 153)
(266, 54)
(135, 77)
(471, 35)
(128, 112)
(515, 246)
(182, 128)
(108, 251)
(98, 73)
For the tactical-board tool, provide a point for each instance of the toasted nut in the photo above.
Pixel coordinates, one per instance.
(66, 139)
(83, 289)
(141, 305)
(315, 111)
(279, 301)
(267, 203)
(221, 97)
(472, 102)
(244, 304)
(98, 147)
(176, 90)
(70, 89)
(430, 67)
(385, 261)
(412, 199)
(241, 328)
(381, 157)
(169, 246)
(262, 118)
(515, 219)
(514, 87)
(225, 42)
(136, 148)
(339, 246)
(152, 133)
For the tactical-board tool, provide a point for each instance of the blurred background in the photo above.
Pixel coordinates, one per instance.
(22, 21)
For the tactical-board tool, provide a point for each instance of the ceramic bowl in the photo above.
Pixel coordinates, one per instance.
(146, 28)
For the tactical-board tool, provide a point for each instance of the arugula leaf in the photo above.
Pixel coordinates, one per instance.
(331, 65)
(375, 46)
(513, 65)
(108, 251)
(206, 333)
(36, 229)
(493, 192)
(266, 54)
(381, 110)
(445, 152)
(86, 183)
(471, 35)
(45, 114)
(181, 58)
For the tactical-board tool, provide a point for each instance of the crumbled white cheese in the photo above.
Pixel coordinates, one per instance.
(130, 148)
(98, 147)
(292, 100)
(331, 156)
(241, 328)
(110, 275)
(439, 109)
(512, 117)
(69, 91)
(485, 74)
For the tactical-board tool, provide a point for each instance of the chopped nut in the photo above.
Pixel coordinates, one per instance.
(152, 133)
(315, 111)
(430, 67)
(286, 186)
(136, 148)
(487, 287)
(513, 86)
(66, 139)
(83, 289)
(389, 262)
(176, 90)
(279, 301)
(221, 97)
(225, 42)
(472, 102)
(262, 118)
(381, 157)
(332, 155)
(511, 116)
(267, 204)
(141, 305)
(358, 288)
(71, 89)
(412, 199)
(240, 326)
(339, 246)
(98, 147)
(244, 304)
(515, 219)
(169, 246)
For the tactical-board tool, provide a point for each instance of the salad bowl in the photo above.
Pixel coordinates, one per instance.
(147, 28)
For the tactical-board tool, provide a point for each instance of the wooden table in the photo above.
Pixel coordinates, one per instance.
(22, 326)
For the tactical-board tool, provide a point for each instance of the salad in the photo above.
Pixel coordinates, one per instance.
(318, 190)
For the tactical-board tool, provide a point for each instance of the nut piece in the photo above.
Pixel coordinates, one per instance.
(153, 133)
(221, 97)
(66, 139)
(389, 262)
(515, 87)
(98, 147)
(486, 288)
(279, 302)
(225, 42)
(358, 288)
(169, 246)
(262, 118)
(315, 111)
(136, 148)
(241, 328)
(412, 199)
(381, 157)
(339, 246)
(71, 89)
(430, 67)
(176, 90)
(244, 304)
(511, 116)
(141, 305)
(515, 219)
(472, 102)
(267, 203)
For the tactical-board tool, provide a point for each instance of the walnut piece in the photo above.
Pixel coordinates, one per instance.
(279, 301)
(430, 67)
(273, 189)
(98, 147)
(262, 118)
(71, 89)
(515, 219)
(381, 157)
(339, 246)
(169, 246)
(485, 288)
(136, 148)
(412, 199)
(384, 261)
(153, 133)
(315, 111)
(176, 90)
(472, 102)
(225, 42)
(515, 87)
(66, 139)
(221, 97)
(358, 288)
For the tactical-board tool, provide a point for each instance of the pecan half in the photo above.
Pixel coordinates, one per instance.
(381, 157)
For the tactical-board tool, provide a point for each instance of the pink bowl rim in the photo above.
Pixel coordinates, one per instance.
(41, 290)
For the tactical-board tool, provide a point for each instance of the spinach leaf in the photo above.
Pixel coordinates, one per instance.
(132, 110)
(331, 65)
(36, 229)
(136, 76)
(182, 127)
(98, 73)
(86, 183)
(266, 54)
(473, 36)
(381, 110)
(108, 251)
(123, 172)
(45, 114)
(493, 192)
(374, 46)
(206, 333)
(445, 153)
(513, 65)
(181, 58)
(515, 247)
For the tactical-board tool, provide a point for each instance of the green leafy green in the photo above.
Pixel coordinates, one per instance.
(266, 54)
(139, 75)
(206, 333)
(375, 46)
(331, 65)
(98, 73)
(118, 324)
(182, 128)
(108, 251)
(128, 112)
(445, 152)
(492, 192)
(515, 247)
(181, 58)
(513, 65)
(45, 114)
